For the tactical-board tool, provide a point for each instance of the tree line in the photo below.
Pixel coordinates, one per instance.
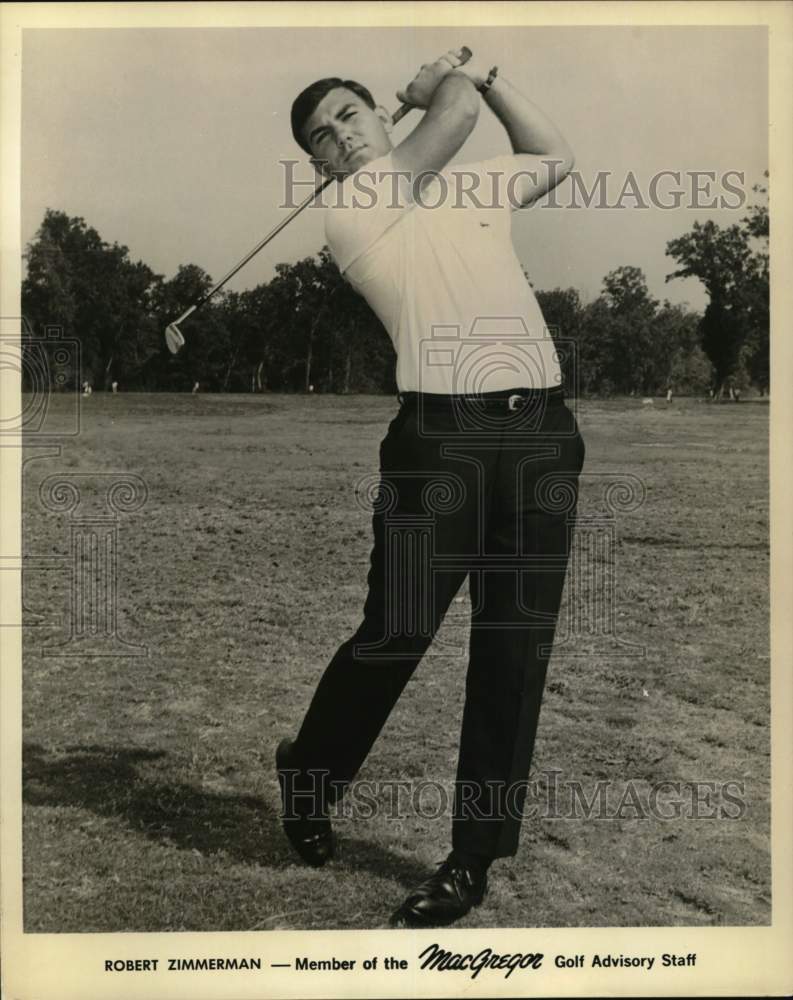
(307, 329)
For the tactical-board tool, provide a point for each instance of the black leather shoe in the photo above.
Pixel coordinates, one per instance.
(442, 898)
(312, 838)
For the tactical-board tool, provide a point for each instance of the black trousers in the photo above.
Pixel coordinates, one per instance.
(467, 488)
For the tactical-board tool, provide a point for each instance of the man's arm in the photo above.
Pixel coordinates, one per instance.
(544, 156)
(452, 105)
(448, 89)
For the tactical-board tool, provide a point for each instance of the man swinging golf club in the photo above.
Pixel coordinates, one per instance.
(481, 440)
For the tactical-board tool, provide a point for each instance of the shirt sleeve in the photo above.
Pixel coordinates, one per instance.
(363, 207)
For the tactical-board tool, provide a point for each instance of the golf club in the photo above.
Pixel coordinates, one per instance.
(173, 335)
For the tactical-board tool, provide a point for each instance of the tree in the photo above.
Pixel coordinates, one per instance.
(305, 292)
(204, 357)
(633, 346)
(562, 310)
(732, 264)
(93, 290)
(755, 301)
(624, 341)
(681, 363)
(626, 293)
(618, 349)
(329, 337)
(756, 223)
(594, 356)
(258, 329)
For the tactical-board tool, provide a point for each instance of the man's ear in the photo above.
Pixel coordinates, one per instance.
(385, 117)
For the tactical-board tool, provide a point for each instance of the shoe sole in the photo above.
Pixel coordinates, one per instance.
(404, 918)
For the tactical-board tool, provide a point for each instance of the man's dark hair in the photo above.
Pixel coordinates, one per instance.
(306, 103)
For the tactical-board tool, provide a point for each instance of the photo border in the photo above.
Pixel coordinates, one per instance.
(732, 960)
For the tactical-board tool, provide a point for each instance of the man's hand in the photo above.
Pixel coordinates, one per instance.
(452, 110)
(477, 69)
(419, 91)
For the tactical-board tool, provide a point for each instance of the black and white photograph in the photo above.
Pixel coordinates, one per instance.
(395, 432)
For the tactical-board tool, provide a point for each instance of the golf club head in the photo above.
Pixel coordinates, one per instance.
(173, 338)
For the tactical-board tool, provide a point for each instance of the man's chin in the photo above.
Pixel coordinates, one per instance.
(360, 159)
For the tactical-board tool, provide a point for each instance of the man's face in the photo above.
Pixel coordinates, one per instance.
(344, 134)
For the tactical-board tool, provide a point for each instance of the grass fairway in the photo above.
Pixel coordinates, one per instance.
(150, 799)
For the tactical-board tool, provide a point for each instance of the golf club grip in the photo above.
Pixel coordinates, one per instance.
(401, 111)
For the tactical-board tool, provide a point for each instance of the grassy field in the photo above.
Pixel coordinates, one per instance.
(150, 800)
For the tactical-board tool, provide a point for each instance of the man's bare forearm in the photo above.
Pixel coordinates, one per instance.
(455, 94)
(451, 115)
(529, 129)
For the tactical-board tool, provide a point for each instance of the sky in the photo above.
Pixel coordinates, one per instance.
(169, 140)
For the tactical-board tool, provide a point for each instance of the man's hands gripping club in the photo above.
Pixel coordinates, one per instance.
(447, 89)
(418, 93)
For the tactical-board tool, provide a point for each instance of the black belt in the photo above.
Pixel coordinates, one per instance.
(506, 399)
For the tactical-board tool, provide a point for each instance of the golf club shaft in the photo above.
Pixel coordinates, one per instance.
(397, 116)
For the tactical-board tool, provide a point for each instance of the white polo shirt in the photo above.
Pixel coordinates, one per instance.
(442, 275)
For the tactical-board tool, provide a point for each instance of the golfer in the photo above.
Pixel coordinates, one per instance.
(472, 467)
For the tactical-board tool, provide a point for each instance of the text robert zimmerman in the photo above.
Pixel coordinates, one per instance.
(181, 964)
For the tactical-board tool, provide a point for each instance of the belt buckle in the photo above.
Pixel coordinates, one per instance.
(515, 402)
